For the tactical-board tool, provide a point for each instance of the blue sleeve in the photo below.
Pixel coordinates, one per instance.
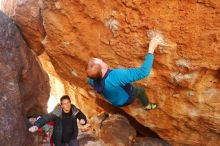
(125, 76)
(90, 81)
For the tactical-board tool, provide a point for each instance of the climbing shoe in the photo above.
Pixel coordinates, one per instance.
(150, 106)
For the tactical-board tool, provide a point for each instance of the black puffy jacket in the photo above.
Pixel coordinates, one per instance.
(56, 116)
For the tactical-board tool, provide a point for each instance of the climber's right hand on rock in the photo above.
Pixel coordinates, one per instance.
(33, 128)
(153, 45)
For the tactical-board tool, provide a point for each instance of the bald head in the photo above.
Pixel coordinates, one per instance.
(94, 68)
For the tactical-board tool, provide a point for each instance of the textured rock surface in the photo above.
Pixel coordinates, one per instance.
(113, 129)
(89, 139)
(24, 86)
(185, 76)
(29, 21)
(149, 142)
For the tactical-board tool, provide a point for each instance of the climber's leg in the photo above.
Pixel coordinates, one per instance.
(141, 94)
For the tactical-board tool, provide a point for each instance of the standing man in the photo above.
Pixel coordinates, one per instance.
(116, 84)
(65, 116)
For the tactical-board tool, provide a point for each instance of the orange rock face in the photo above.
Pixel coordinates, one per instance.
(185, 77)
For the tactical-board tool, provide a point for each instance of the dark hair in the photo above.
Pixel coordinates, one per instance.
(64, 97)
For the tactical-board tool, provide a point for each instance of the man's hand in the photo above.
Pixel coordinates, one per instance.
(82, 122)
(153, 45)
(33, 129)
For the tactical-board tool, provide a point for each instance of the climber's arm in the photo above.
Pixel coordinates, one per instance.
(125, 76)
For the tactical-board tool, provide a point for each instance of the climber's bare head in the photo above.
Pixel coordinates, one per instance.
(94, 68)
(65, 103)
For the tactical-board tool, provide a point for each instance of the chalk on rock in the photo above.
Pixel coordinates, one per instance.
(158, 35)
(183, 63)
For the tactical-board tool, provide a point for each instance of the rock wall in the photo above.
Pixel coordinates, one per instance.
(24, 86)
(185, 76)
(107, 129)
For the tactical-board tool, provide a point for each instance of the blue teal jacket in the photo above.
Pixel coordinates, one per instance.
(117, 79)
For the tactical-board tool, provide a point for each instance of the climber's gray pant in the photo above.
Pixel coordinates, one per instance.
(72, 143)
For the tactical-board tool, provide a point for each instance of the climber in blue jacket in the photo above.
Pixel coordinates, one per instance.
(116, 84)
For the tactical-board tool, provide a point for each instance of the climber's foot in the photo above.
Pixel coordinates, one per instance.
(150, 106)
